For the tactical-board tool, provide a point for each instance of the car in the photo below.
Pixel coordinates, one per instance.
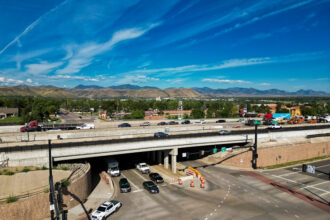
(143, 167)
(106, 209)
(124, 185)
(223, 132)
(156, 177)
(162, 123)
(124, 125)
(275, 126)
(185, 122)
(220, 121)
(200, 122)
(146, 123)
(237, 126)
(86, 126)
(240, 120)
(160, 135)
(151, 187)
(173, 123)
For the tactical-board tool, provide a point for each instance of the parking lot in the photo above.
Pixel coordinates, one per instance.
(316, 185)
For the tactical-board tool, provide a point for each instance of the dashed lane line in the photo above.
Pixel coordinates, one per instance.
(140, 175)
(131, 182)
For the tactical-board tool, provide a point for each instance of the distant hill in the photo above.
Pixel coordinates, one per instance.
(97, 92)
(237, 91)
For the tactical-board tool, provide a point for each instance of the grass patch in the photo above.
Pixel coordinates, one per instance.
(11, 199)
(12, 120)
(46, 191)
(44, 168)
(294, 163)
(8, 172)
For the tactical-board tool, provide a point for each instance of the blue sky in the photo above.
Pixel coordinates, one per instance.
(166, 43)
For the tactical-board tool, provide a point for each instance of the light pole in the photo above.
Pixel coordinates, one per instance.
(52, 200)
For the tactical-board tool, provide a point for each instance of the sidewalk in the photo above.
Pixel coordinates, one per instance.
(102, 192)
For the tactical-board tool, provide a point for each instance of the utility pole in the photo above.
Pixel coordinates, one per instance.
(52, 200)
(255, 147)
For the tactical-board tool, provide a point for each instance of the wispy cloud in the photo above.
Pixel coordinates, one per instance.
(83, 55)
(265, 84)
(231, 63)
(228, 81)
(31, 26)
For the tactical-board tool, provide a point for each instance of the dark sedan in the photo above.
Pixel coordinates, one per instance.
(151, 187)
(173, 123)
(124, 125)
(220, 121)
(160, 135)
(162, 123)
(156, 178)
(124, 185)
(185, 122)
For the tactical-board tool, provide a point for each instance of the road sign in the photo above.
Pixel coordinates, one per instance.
(223, 149)
(257, 122)
(215, 150)
(310, 169)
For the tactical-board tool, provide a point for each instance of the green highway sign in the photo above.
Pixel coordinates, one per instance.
(257, 122)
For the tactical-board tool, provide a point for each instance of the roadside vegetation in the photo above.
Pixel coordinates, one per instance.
(9, 171)
(45, 109)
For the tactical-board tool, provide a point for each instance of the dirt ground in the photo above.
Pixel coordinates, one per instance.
(21, 183)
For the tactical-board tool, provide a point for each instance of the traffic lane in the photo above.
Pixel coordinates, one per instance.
(316, 185)
(170, 203)
(254, 197)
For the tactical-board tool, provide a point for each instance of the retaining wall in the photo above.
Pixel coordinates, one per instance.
(37, 207)
(269, 156)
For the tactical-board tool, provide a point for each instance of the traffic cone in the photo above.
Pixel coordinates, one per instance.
(180, 181)
(192, 184)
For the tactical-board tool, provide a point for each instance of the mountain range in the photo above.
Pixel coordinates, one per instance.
(133, 91)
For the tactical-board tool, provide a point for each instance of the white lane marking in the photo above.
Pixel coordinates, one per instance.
(138, 190)
(301, 184)
(297, 216)
(323, 166)
(286, 210)
(140, 175)
(287, 174)
(324, 193)
(317, 184)
(130, 182)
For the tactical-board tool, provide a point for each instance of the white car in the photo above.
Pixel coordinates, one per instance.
(86, 126)
(276, 126)
(143, 168)
(200, 122)
(106, 209)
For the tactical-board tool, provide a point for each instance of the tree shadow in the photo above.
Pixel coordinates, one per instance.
(67, 192)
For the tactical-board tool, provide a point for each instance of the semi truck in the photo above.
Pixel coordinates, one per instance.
(113, 166)
(35, 126)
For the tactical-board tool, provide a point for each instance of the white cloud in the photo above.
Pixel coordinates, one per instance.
(41, 68)
(136, 79)
(82, 55)
(225, 81)
(175, 81)
(73, 78)
(265, 84)
(10, 81)
(29, 80)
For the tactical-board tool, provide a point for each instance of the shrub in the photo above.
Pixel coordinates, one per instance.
(65, 183)
(8, 172)
(46, 190)
(64, 168)
(11, 199)
(44, 168)
(25, 170)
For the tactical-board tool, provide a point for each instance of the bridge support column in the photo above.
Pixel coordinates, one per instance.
(153, 156)
(174, 154)
(166, 152)
(159, 157)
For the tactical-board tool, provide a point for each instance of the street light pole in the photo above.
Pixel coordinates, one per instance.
(52, 200)
(255, 148)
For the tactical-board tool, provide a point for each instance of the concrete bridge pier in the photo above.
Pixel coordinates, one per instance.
(166, 153)
(153, 156)
(159, 157)
(174, 154)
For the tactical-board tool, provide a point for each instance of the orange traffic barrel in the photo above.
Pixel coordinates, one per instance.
(192, 184)
(202, 185)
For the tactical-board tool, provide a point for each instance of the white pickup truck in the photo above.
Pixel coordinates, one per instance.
(143, 167)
